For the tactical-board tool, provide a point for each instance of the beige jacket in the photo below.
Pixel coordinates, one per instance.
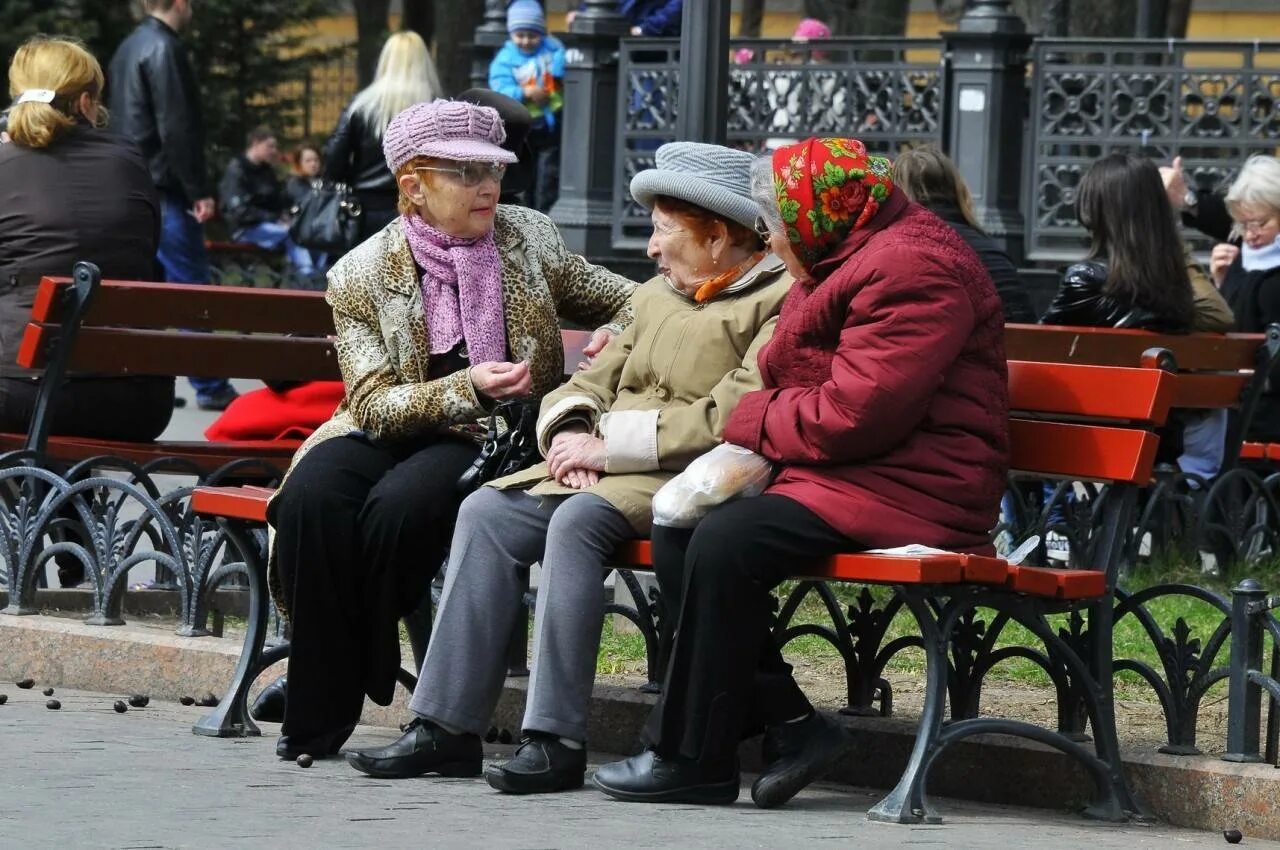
(660, 393)
(382, 342)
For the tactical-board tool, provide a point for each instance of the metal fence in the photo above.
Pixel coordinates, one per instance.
(327, 87)
(1213, 103)
(887, 92)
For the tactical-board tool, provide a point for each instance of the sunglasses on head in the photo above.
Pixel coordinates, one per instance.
(470, 174)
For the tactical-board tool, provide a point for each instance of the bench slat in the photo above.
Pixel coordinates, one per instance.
(1138, 395)
(247, 503)
(136, 304)
(1087, 452)
(1057, 584)
(121, 351)
(204, 455)
(1123, 347)
(1203, 391)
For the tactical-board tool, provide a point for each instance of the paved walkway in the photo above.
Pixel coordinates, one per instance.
(88, 777)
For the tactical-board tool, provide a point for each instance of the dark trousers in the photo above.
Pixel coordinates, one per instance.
(131, 409)
(361, 529)
(726, 678)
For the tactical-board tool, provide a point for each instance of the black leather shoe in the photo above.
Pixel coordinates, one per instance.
(318, 746)
(649, 778)
(423, 748)
(269, 706)
(541, 765)
(796, 754)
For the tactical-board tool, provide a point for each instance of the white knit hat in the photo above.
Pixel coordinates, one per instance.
(710, 176)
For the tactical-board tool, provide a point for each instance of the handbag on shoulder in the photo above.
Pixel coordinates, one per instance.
(510, 445)
(326, 219)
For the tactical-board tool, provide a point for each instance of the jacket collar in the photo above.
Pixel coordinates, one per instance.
(157, 24)
(766, 269)
(889, 213)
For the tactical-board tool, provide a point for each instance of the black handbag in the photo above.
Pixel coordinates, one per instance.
(506, 449)
(326, 219)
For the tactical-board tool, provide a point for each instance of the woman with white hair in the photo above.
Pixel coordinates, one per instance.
(353, 155)
(1248, 274)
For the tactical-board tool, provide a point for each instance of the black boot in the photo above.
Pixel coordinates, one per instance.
(649, 778)
(317, 746)
(423, 748)
(796, 754)
(541, 765)
(269, 706)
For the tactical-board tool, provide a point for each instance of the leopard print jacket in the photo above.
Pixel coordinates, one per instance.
(382, 342)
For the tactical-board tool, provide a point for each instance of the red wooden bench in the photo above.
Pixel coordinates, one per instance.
(1080, 422)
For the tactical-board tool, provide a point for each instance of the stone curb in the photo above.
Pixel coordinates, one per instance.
(1196, 792)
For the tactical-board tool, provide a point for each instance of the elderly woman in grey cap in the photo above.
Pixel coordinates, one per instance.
(656, 398)
(450, 308)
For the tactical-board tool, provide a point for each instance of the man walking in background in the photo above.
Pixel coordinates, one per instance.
(154, 100)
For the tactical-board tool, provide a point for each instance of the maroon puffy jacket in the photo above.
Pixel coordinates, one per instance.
(885, 388)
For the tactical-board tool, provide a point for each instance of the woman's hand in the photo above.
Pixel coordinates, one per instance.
(580, 479)
(595, 345)
(1175, 183)
(1220, 260)
(575, 452)
(500, 381)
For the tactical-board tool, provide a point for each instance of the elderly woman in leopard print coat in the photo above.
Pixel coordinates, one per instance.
(452, 307)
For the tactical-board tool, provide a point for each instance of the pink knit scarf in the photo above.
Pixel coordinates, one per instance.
(461, 290)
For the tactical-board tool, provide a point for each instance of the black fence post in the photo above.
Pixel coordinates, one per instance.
(1244, 697)
(489, 38)
(584, 210)
(986, 105)
(704, 72)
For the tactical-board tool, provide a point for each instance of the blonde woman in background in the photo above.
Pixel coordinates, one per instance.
(70, 191)
(353, 155)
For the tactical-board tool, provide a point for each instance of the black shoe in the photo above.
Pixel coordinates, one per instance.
(317, 746)
(269, 706)
(423, 748)
(541, 765)
(649, 778)
(796, 754)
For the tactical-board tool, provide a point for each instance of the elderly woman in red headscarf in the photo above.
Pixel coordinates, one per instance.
(885, 410)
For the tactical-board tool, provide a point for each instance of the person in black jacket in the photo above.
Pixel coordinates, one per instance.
(254, 202)
(353, 155)
(155, 101)
(931, 179)
(70, 191)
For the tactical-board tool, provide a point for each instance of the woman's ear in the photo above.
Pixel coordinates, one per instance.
(87, 106)
(411, 188)
(718, 241)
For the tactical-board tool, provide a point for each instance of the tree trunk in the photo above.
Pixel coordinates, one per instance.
(837, 14)
(751, 19)
(1055, 19)
(420, 16)
(1176, 20)
(880, 17)
(1104, 18)
(371, 32)
(455, 31)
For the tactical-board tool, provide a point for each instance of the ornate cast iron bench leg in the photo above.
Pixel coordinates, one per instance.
(231, 718)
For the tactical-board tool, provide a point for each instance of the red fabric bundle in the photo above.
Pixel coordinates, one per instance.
(269, 415)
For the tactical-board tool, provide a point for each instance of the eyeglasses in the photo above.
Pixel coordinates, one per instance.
(471, 173)
(762, 229)
(1256, 225)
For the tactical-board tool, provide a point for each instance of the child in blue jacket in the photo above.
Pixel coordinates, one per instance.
(530, 68)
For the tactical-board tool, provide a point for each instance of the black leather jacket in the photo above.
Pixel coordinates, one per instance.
(1081, 301)
(353, 155)
(154, 99)
(250, 193)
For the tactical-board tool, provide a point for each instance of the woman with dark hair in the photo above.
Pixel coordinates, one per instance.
(1138, 274)
(928, 176)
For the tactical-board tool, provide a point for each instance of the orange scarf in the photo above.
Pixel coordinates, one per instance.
(713, 287)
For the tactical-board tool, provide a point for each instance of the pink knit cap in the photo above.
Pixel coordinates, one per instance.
(448, 129)
(811, 29)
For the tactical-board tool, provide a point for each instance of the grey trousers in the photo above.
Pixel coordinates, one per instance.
(497, 534)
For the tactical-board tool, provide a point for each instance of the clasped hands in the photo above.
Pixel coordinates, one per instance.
(576, 457)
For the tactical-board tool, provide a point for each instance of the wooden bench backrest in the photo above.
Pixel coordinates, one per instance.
(1086, 422)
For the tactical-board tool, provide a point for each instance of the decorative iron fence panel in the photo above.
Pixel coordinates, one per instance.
(887, 92)
(1212, 102)
(328, 85)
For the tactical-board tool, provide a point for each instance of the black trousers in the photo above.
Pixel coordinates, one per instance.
(361, 529)
(135, 409)
(726, 678)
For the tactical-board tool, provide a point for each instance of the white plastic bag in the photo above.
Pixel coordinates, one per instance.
(726, 472)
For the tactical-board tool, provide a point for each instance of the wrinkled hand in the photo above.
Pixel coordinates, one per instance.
(1220, 260)
(575, 451)
(500, 381)
(204, 209)
(1175, 183)
(580, 479)
(595, 345)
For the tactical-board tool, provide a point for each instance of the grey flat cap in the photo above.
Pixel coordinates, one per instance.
(712, 177)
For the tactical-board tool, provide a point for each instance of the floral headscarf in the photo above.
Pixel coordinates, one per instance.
(826, 189)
